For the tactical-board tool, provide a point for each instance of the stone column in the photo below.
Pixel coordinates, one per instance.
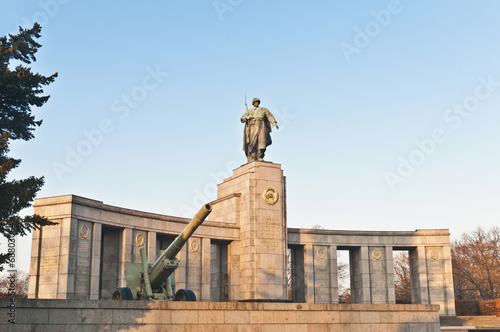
(391, 290)
(215, 273)
(83, 260)
(233, 267)
(125, 254)
(334, 278)
(194, 266)
(436, 277)
(309, 273)
(205, 270)
(181, 272)
(152, 251)
(66, 243)
(360, 275)
(263, 231)
(378, 275)
(322, 276)
(96, 262)
(49, 261)
(418, 272)
(34, 264)
(448, 281)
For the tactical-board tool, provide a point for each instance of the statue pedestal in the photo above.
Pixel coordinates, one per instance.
(258, 259)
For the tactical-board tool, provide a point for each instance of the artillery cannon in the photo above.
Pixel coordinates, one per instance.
(156, 281)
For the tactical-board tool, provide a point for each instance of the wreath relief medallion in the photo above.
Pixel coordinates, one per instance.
(270, 195)
(321, 253)
(376, 254)
(84, 232)
(139, 239)
(194, 246)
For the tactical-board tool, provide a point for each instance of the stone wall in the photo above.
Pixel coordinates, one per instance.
(238, 254)
(83, 257)
(371, 265)
(72, 315)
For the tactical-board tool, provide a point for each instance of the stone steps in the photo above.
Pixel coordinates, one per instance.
(470, 323)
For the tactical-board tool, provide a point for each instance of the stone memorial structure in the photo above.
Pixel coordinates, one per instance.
(244, 252)
(238, 254)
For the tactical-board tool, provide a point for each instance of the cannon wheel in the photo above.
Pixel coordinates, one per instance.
(185, 295)
(122, 293)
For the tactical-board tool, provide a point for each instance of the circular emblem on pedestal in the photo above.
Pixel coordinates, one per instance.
(194, 246)
(434, 255)
(376, 254)
(84, 232)
(139, 239)
(270, 195)
(321, 253)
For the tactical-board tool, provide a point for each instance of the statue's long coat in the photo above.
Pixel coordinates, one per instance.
(256, 134)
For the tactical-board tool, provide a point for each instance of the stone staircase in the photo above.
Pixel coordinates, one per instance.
(470, 323)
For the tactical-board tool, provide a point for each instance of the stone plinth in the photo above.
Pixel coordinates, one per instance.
(87, 315)
(260, 254)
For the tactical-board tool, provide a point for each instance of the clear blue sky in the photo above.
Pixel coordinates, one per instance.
(353, 85)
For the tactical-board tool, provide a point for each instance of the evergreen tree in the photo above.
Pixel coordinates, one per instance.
(20, 90)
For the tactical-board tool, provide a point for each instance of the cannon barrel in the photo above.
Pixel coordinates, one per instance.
(163, 267)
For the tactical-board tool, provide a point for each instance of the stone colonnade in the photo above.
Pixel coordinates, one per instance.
(371, 262)
(84, 256)
(238, 254)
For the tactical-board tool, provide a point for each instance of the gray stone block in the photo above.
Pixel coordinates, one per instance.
(29, 316)
(128, 316)
(65, 316)
(17, 328)
(49, 328)
(83, 328)
(97, 316)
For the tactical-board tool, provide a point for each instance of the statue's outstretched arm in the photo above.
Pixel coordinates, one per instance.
(271, 119)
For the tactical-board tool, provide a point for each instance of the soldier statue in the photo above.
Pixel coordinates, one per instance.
(256, 136)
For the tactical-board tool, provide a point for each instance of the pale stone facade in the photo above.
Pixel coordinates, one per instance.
(86, 315)
(258, 259)
(238, 254)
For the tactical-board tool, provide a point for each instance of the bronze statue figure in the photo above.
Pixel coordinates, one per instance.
(256, 136)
